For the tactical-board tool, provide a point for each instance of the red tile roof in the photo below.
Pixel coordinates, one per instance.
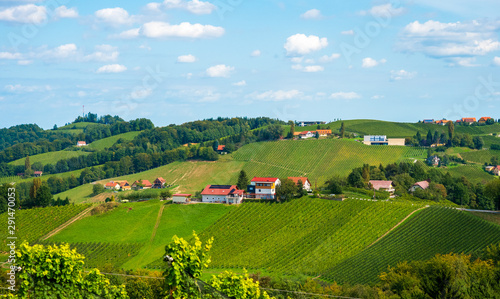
(469, 119)
(296, 179)
(423, 184)
(381, 184)
(267, 180)
(81, 142)
(484, 118)
(221, 190)
(182, 194)
(38, 172)
(111, 184)
(161, 179)
(221, 147)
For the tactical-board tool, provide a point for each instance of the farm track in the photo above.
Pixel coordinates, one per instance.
(67, 223)
(395, 226)
(158, 219)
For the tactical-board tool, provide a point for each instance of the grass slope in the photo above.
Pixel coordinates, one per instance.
(431, 231)
(109, 141)
(481, 156)
(50, 157)
(473, 173)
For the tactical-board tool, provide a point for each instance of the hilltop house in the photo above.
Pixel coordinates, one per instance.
(496, 170)
(112, 185)
(310, 134)
(310, 123)
(419, 186)
(489, 168)
(221, 149)
(37, 174)
(382, 140)
(324, 133)
(222, 194)
(442, 122)
(181, 198)
(468, 120)
(383, 186)
(81, 143)
(263, 188)
(433, 160)
(484, 119)
(159, 183)
(124, 185)
(307, 134)
(428, 121)
(142, 184)
(305, 182)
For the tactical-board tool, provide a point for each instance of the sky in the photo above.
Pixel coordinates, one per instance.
(175, 61)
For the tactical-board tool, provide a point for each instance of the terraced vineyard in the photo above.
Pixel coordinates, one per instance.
(100, 254)
(318, 159)
(482, 156)
(34, 223)
(473, 173)
(50, 157)
(431, 231)
(306, 236)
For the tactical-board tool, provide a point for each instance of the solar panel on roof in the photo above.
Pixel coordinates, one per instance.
(220, 186)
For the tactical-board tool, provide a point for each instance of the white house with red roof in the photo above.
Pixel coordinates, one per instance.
(181, 198)
(112, 185)
(496, 170)
(142, 184)
(37, 174)
(222, 194)
(419, 186)
(81, 143)
(305, 182)
(263, 188)
(383, 186)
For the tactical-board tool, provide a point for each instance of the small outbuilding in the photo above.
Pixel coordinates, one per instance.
(181, 198)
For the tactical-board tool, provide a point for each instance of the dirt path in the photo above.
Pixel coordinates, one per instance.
(67, 223)
(158, 219)
(400, 222)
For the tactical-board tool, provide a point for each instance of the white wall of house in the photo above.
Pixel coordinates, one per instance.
(179, 199)
(213, 198)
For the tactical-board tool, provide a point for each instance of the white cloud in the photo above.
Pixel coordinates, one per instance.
(112, 68)
(240, 83)
(279, 95)
(255, 53)
(377, 97)
(347, 32)
(127, 34)
(61, 52)
(24, 62)
(114, 16)
(302, 44)
(496, 61)
(186, 58)
(184, 29)
(25, 88)
(29, 13)
(103, 53)
(438, 40)
(384, 10)
(402, 74)
(141, 93)
(194, 6)
(8, 55)
(326, 58)
(64, 12)
(312, 14)
(220, 70)
(463, 61)
(313, 69)
(71, 52)
(369, 62)
(345, 95)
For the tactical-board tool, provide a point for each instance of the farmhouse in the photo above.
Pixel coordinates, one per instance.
(419, 186)
(81, 143)
(159, 183)
(382, 140)
(324, 133)
(442, 122)
(305, 182)
(37, 174)
(383, 186)
(468, 120)
(263, 188)
(484, 119)
(181, 198)
(489, 168)
(222, 194)
(112, 185)
(124, 185)
(310, 123)
(307, 134)
(433, 160)
(221, 149)
(141, 184)
(496, 170)
(428, 121)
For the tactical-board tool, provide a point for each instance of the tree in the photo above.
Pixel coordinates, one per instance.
(37, 183)
(27, 164)
(428, 140)
(451, 129)
(57, 272)
(166, 193)
(242, 180)
(366, 173)
(7, 192)
(238, 286)
(97, 189)
(43, 197)
(185, 262)
(492, 190)
(334, 185)
(300, 189)
(478, 142)
(215, 145)
(342, 130)
(316, 135)
(292, 128)
(286, 190)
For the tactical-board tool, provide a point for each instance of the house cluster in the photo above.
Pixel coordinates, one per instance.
(387, 186)
(382, 140)
(310, 134)
(466, 120)
(310, 123)
(159, 183)
(495, 170)
(259, 188)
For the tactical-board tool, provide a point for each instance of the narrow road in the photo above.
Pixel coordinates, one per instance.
(67, 223)
(158, 219)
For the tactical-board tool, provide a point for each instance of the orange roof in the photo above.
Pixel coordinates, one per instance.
(111, 184)
(38, 172)
(161, 179)
(381, 184)
(324, 131)
(469, 119)
(296, 133)
(267, 180)
(183, 195)
(221, 147)
(296, 179)
(221, 190)
(423, 184)
(484, 118)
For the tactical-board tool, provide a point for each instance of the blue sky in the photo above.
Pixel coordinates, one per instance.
(174, 61)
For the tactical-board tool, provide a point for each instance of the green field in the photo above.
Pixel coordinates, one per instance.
(473, 173)
(431, 231)
(50, 157)
(481, 156)
(109, 141)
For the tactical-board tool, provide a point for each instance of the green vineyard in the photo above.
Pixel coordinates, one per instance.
(31, 225)
(101, 254)
(431, 231)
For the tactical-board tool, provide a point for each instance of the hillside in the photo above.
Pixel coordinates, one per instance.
(50, 157)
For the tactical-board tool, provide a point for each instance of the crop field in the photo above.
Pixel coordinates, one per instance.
(430, 231)
(32, 224)
(489, 140)
(50, 157)
(109, 141)
(473, 173)
(306, 236)
(481, 156)
(100, 254)
(318, 159)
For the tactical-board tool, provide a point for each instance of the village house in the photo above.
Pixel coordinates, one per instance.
(484, 119)
(124, 185)
(37, 174)
(310, 123)
(141, 184)
(159, 183)
(324, 133)
(181, 198)
(442, 122)
(383, 186)
(428, 121)
(433, 160)
(419, 186)
(229, 194)
(468, 120)
(305, 182)
(489, 168)
(81, 143)
(112, 186)
(221, 149)
(307, 134)
(263, 188)
(496, 170)
(382, 140)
